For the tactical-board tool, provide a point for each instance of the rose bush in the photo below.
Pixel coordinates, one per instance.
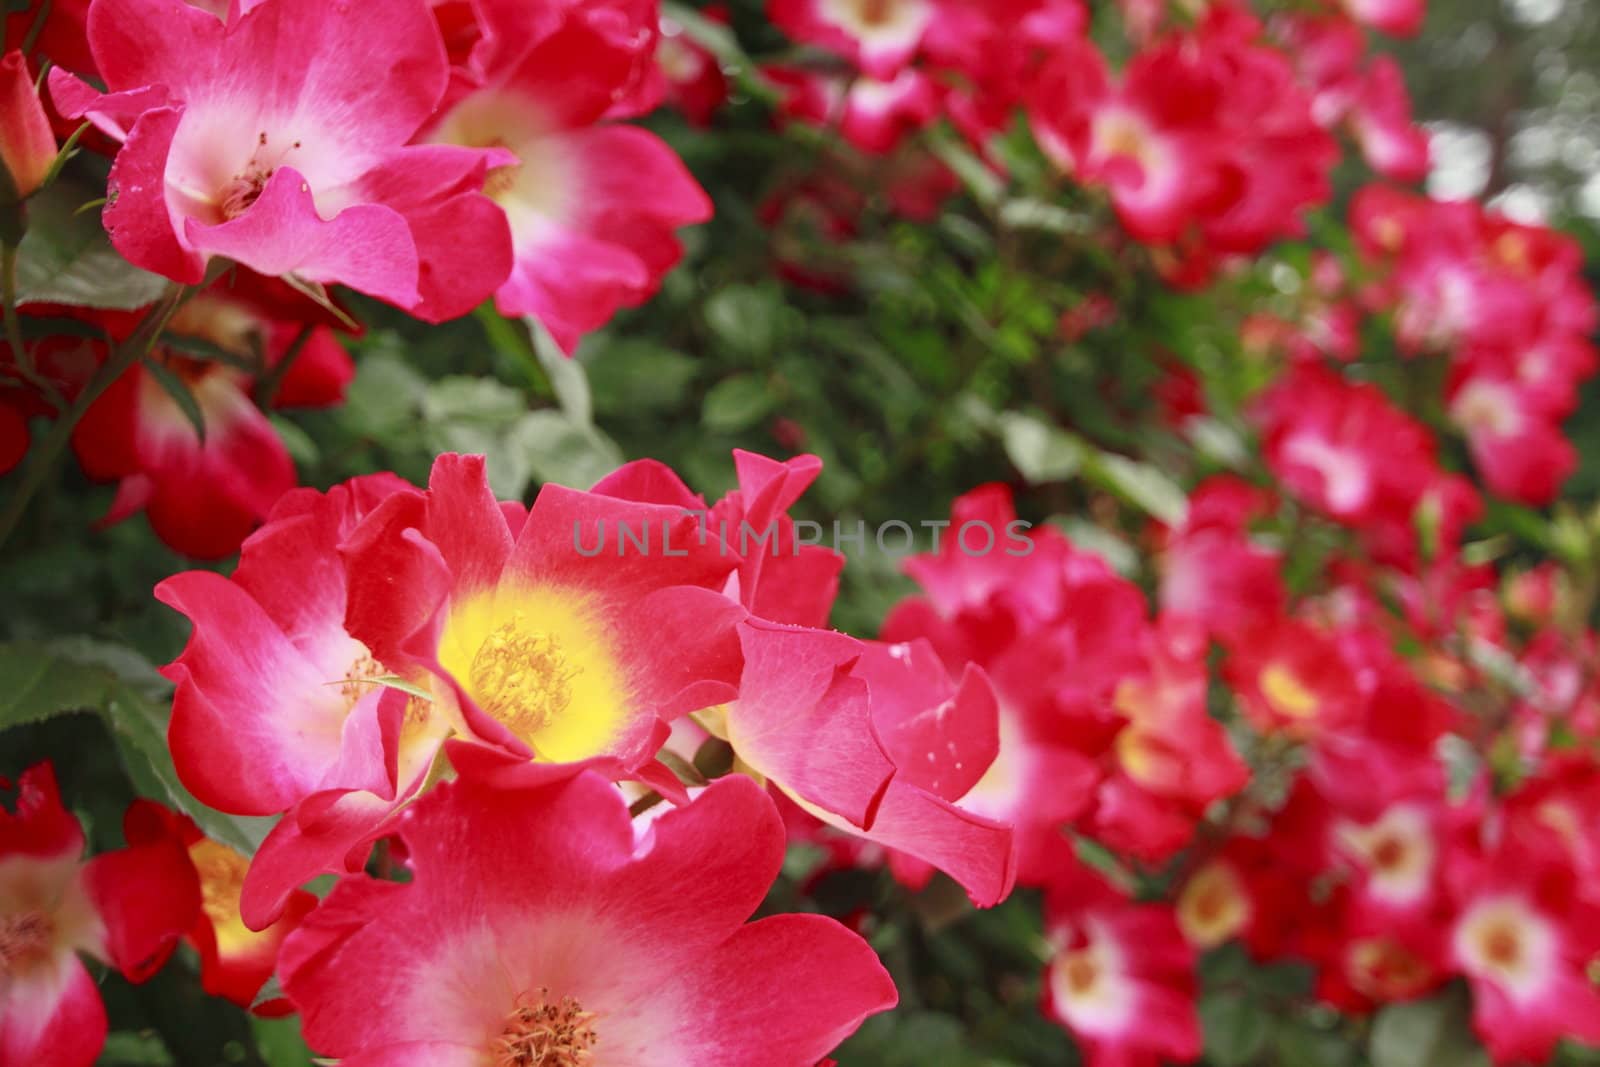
(620, 533)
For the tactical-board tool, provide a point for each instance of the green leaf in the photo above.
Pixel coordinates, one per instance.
(269, 992)
(1122, 557)
(638, 375)
(1040, 452)
(178, 390)
(278, 1041)
(1523, 522)
(555, 449)
(687, 772)
(66, 258)
(389, 681)
(383, 401)
(200, 348)
(1218, 441)
(1426, 1033)
(1235, 1029)
(317, 293)
(1026, 213)
(1140, 484)
(1298, 1045)
(302, 449)
(41, 679)
(472, 401)
(910, 1038)
(745, 318)
(128, 1049)
(479, 416)
(736, 403)
(567, 376)
(973, 172)
(714, 36)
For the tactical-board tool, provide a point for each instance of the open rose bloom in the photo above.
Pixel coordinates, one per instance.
(125, 909)
(542, 927)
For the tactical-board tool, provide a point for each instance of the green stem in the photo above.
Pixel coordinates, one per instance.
(39, 19)
(13, 331)
(43, 460)
(8, 296)
(267, 385)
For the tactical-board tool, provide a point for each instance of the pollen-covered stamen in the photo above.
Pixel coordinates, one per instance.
(221, 872)
(501, 180)
(1504, 941)
(358, 679)
(244, 188)
(1388, 852)
(25, 939)
(1288, 696)
(1080, 970)
(520, 675)
(542, 1033)
(877, 12)
(363, 677)
(1212, 906)
(1502, 946)
(876, 19)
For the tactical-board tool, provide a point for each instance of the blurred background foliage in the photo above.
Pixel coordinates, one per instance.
(938, 363)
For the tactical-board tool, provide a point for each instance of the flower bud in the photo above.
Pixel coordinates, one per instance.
(27, 146)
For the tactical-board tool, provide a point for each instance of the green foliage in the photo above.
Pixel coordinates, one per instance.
(1236, 1029)
(66, 258)
(40, 680)
(1426, 1033)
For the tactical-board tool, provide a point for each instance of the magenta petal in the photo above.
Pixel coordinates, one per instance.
(52, 1015)
(771, 487)
(975, 851)
(372, 73)
(830, 980)
(136, 214)
(385, 553)
(418, 1054)
(649, 481)
(804, 722)
(154, 42)
(254, 724)
(463, 239)
(300, 848)
(464, 245)
(942, 738)
(628, 171)
(148, 897)
(572, 282)
(461, 521)
(112, 113)
(367, 247)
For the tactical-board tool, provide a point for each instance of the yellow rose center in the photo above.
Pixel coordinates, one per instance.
(522, 677)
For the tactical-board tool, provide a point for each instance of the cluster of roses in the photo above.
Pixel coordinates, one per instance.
(463, 680)
(1401, 821)
(478, 689)
(430, 156)
(1508, 304)
(1503, 304)
(1211, 142)
(1430, 825)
